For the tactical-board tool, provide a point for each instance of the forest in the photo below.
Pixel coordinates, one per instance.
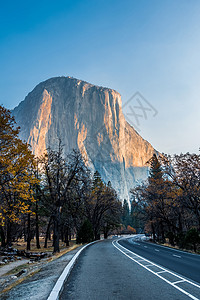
(58, 197)
(167, 205)
(51, 196)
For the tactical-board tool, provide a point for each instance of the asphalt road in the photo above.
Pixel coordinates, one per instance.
(102, 271)
(183, 263)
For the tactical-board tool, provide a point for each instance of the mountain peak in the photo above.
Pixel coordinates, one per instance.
(90, 118)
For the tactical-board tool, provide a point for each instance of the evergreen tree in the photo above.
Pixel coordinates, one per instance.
(156, 171)
(125, 214)
(85, 233)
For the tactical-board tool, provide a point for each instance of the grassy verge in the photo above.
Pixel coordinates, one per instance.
(27, 266)
(18, 281)
(21, 245)
(177, 248)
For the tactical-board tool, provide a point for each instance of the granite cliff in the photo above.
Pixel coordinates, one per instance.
(90, 118)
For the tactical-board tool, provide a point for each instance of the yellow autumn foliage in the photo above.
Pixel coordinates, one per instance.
(16, 171)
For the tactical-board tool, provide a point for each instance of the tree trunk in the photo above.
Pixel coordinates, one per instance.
(105, 232)
(62, 234)
(162, 232)
(56, 223)
(3, 238)
(28, 246)
(180, 226)
(47, 233)
(96, 235)
(8, 238)
(153, 231)
(67, 236)
(24, 227)
(37, 226)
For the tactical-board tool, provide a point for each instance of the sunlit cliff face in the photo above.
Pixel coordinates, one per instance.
(41, 127)
(89, 118)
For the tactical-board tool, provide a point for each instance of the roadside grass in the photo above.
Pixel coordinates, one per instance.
(18, 281)
(64, 251)
(33, 272)
(178, 248)
(49, 259)
(17, 269)
(21, 245)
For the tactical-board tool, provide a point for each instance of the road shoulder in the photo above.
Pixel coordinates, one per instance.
(40, 282)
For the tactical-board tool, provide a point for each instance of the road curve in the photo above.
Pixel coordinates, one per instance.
(104, 272)
(181, 262)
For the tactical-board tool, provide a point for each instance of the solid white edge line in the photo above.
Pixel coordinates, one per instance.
(170, 283)
(162, 268)
(54, 295)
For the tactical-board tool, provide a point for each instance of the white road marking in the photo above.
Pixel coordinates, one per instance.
(176, 250)
(118, 246)
(145, 247)
(179, 281)
(161, 272)
(54, 295)
(176, 255)
(157, 250)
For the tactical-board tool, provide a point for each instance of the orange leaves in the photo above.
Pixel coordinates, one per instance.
(131, 229)
(16, 171)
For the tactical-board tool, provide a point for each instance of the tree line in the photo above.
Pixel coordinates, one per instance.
(56, 195)
(50, 194)
(168, 203)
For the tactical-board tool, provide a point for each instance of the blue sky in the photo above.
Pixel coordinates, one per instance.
(150, 46)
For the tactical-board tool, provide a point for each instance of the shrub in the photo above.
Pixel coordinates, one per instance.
(85, 233)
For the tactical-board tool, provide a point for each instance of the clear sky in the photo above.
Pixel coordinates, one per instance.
(150, 46)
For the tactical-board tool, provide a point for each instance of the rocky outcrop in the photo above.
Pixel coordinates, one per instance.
(90, 118)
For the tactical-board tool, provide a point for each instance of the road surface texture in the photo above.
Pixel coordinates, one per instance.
(181, 262)
(104, 271)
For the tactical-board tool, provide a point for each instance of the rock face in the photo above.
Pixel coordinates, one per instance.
(90, 118)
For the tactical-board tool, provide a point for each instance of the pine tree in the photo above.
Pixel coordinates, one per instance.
(155, 194)
(156, 171)
(125, 213)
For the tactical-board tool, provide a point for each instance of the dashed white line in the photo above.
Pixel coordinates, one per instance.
(149, 265)
(161, 272)
(135, 243)
(145, 247)
(176, 255)
(118, 246)
(172, 249)
(157, 250)
(179, 281)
